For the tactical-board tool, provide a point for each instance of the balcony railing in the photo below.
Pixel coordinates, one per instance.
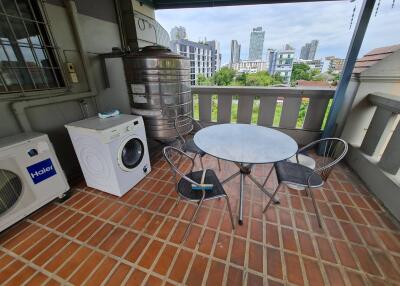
(377, 160)
(299, 112)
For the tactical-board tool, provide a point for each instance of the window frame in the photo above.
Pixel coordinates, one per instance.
(55, 62)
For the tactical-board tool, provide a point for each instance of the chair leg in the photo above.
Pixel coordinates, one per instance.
(219, 164)
(272, 198)
(315, 207)
(230, 211)
(191, 221)
(201, 162)
(194, 158)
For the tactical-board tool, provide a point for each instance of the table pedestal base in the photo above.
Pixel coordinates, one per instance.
(245, 171)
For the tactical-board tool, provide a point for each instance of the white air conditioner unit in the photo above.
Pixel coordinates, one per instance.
(30, 176)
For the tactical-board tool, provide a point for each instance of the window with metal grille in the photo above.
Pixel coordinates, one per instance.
(27, 56)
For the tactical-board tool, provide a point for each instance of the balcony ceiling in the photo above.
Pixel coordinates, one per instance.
(174, 4)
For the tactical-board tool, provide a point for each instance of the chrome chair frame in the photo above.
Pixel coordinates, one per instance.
(183, 140)
(176, 171)
(323, 170)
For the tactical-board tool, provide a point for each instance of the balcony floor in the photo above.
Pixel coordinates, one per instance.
(95, 238)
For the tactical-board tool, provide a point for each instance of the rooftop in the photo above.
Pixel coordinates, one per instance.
(373, 57)
(94, 238)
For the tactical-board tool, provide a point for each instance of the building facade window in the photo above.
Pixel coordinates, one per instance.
(27, 56)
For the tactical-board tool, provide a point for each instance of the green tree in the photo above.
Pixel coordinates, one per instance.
(304, 72)
(224, 76)
(203, 80)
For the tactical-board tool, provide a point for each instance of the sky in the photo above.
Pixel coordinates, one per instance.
(293, 24)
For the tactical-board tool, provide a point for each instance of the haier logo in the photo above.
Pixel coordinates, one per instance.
(41, 171)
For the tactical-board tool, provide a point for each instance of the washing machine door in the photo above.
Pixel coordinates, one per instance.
(10, 190)
(131, 153)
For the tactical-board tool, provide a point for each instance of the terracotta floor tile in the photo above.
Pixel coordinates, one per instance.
(289, 242)
(313, 272)
(86, 268)
(238, 251)
(61, 257)
(9, 270)
(216, 273)
(137, 249)
(123, 245)
(293, 269)
(306, 244)
(37, 279)
(272, 235)
(207, 241)
(73, 262)
(136, 277)
(254, 280)
(99, 275)
(222, 246)
(366, 261)
(196, 273)
(235, 277)
(256, 257)
(118, 275)
(181, 265)
(165, 260)
(345, 256)
(325, 249)
(150, 255)
(355, 279)
(334, 275)
(101, 239)
(274, 263)
(387, 267)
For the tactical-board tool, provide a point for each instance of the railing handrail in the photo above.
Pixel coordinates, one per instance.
(265, 91)
(387, 101)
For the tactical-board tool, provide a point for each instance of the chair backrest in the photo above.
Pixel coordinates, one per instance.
(334, 150)
(174, 157)
(184, 125)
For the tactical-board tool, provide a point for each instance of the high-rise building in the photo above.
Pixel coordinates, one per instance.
(256, 44)
(309, 50)
(205, 58)
(235, 52)
(178, 33)
(281, 62)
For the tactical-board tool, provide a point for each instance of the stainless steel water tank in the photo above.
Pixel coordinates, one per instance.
(159, 87)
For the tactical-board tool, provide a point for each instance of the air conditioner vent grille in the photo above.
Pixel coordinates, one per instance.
(10, 190)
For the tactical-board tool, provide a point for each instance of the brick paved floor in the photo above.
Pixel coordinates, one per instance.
(94, 238)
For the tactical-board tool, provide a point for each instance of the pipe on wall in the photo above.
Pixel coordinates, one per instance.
(19, 107)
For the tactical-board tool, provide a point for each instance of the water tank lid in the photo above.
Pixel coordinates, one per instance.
(155, 51)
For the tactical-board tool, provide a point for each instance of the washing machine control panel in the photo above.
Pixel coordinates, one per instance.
(119, 131)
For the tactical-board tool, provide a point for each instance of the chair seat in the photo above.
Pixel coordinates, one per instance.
(296, 174)
(191, 147)
(185, 187)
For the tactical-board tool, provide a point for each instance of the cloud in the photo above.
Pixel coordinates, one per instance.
(294, 24)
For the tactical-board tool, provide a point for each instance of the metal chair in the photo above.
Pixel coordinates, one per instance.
(187, 144)
(184, 185)
(299, 175)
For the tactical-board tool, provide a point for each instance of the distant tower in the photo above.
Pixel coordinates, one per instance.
(309, 50)
(256, 44)
(178, 33)
(235, 52)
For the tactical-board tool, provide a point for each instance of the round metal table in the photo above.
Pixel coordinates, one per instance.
(246, 145)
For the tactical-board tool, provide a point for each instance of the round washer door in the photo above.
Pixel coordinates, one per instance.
(10, 189)
(130, 153)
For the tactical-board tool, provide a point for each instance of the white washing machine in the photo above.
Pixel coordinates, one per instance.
(112, 152)
(30, 176)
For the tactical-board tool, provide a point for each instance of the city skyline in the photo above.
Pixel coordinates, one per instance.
(327, 22)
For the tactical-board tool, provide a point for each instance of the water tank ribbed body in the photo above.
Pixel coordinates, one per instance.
(159, 90)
